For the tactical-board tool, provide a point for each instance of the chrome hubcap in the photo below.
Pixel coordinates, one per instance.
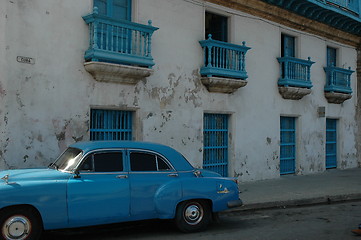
(16, 227)
(193, 214)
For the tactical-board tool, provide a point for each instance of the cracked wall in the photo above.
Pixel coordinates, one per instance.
(45, 106)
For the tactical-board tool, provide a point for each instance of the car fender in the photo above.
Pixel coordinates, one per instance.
(218, 190)
(49, 198)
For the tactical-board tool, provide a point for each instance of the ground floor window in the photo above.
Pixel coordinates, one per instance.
(331, 143)
(288, 145)
(110, 125)
(215, 152)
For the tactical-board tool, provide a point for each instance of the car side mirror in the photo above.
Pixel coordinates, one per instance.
(197, 173)
(77, 174)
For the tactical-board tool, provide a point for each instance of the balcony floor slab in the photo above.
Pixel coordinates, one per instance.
(117, 73)
(223, 85)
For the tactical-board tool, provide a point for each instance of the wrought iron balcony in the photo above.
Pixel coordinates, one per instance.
(338, 80)
(224, 59)
(295, 72)
(119, 41)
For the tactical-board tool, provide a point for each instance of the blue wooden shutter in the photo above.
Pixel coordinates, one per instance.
(331, 143)
(331, 57)
(288, 145)
(110, 125)
(288, 46)
(215, 152)
(116, 9)
(216, 25)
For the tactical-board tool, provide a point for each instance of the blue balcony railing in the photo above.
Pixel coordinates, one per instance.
(222, 59)
(119, 41)
(338, 80)
(295, 72)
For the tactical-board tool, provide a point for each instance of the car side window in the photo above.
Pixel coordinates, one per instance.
(140, 161)
(103, 162)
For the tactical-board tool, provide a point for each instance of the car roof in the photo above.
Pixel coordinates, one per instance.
(177, 159)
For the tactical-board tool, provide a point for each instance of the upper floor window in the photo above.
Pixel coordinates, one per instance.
(331, 57)
(116, 9)
(288, 46)
(217, 25)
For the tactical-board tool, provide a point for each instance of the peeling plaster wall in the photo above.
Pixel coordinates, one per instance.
(3, 86)
(47, 104)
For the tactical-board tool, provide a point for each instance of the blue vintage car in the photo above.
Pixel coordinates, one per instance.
(103, 182)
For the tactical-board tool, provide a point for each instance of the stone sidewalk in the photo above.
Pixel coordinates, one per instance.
(290, 190)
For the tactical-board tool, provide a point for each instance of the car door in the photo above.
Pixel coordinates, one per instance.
(148, 172)
(100, 193)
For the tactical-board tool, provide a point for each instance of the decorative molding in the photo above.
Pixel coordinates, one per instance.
(337, 98)
(223, 85)
(279, 15)
(294, 93)
(117, 73)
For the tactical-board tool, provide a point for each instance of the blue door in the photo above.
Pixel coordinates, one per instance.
(111, 37)
(110, 125)
(215, 152)
(115, 9)
(331, 57)
(288, 46)
(148, 172)
(331, 143)
(288, 145)
(101, 193)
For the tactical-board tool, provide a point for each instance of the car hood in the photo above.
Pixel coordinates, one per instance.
(34, 174)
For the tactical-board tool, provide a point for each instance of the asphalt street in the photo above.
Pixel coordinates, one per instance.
(328, 221)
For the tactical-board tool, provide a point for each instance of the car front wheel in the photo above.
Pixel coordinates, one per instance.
(193, 215)
(20, 223)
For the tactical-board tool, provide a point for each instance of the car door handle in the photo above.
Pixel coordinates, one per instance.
(122, 176)
(173, 175)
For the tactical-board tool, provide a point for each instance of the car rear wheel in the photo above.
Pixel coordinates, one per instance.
(193, 215)
(20, 223)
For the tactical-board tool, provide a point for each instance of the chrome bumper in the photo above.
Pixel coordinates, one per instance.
(235, 203)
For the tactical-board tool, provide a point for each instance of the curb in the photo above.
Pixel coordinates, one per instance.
(297, 202)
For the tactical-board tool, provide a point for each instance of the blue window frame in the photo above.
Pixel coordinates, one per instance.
(110, 125)
(288, 145)
(116, 9)
(288, 46)
(331, 57)
(331, 143)
(215, 153)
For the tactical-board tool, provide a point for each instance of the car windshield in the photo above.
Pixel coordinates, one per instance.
(68, 160)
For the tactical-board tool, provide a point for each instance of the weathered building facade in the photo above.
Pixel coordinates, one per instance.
(251, 89)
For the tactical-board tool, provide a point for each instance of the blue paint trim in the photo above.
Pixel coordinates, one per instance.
(336, 13)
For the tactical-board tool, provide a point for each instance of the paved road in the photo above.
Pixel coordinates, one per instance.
(319, 222)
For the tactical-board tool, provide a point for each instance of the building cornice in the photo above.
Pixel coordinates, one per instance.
(290, 19)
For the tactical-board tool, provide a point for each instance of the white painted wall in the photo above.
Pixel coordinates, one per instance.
(47, 104)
